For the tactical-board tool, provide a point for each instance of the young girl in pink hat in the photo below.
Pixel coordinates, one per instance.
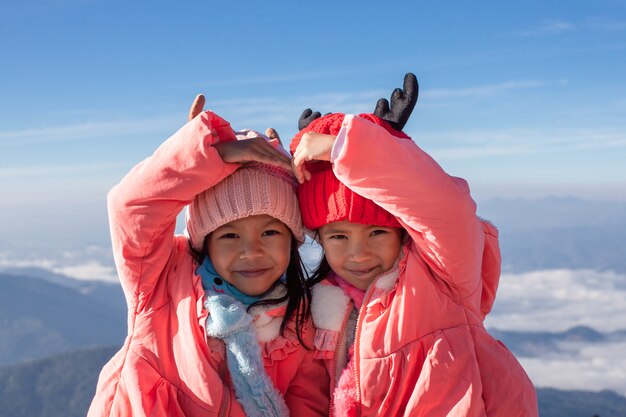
(218, 319)
(409, 273)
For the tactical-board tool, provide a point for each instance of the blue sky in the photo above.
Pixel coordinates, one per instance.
(523, 100)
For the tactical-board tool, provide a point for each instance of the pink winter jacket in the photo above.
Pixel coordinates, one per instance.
(168, 366)
(420, 347)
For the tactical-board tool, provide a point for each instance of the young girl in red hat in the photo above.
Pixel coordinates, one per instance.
(218, 321)
(408, 274)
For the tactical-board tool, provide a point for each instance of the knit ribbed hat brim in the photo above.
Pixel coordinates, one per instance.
(253, 189)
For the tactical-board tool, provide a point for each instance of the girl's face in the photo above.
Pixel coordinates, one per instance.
(251, 253)
(360, 252)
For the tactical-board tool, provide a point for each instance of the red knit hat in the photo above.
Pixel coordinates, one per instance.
(325, 199)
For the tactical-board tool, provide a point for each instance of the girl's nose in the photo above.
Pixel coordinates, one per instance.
(359, 251)
(250, 249)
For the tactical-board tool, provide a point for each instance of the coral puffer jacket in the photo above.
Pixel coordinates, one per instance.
(420, 348)
(167, 365)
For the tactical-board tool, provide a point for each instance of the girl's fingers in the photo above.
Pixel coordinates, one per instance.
(197, 107)
(252, 150)
(271, 133)
(273, 160)
(297, 170)
(261, 151)
(298, 166)
(268, 149)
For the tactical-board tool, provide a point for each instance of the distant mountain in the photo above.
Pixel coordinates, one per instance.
(108, 293)
(554, 233)
(540, 344)
(39, 318)
(58, 386)
(558, 403)
(63, 386)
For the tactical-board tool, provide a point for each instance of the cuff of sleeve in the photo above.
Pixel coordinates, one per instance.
(341, 138)
(218, 127)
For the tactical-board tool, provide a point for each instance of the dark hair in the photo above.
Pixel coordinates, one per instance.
(298, 294)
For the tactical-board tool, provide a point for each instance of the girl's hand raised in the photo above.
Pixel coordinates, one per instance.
(312, 147)
(255, 149)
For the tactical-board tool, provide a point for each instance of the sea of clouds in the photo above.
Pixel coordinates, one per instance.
(556, 300)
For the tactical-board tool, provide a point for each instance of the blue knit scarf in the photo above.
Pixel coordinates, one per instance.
(229, 321)
(212, 282)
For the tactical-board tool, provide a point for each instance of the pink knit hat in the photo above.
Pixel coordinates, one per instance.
(253, 189)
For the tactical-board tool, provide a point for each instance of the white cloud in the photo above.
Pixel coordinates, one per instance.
(86, 130)
(8, 262)
(89, 271)
(48, 171)
(487, 89)
(548, 28)
(469, 144)
(556, 300)
(89, 263)
(597, 367)
(555, 27)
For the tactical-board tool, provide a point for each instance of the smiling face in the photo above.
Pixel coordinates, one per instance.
(251, 253)
(358, 252)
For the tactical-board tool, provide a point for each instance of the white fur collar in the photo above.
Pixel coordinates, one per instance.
(388, 279)
(268, 327)
(330, 303)
(328, 306)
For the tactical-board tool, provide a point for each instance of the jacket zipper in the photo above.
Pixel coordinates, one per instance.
(224, 377)
(335, 363)
(355, 353)
(225, 401)
(357, 335)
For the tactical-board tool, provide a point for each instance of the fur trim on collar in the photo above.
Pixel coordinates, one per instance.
(268, 318)
(267, 327)
(388, 279)
(330, 302)
(328, 306)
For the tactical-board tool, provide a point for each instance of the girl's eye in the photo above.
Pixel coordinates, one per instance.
(337, 237)
(270, 233)
(229, 236)
(378, 232)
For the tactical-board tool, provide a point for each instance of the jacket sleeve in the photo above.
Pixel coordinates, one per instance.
(435, 208)
(144, 205)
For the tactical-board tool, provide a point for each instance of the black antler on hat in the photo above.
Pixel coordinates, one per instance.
(307, 117)
(402, 103)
